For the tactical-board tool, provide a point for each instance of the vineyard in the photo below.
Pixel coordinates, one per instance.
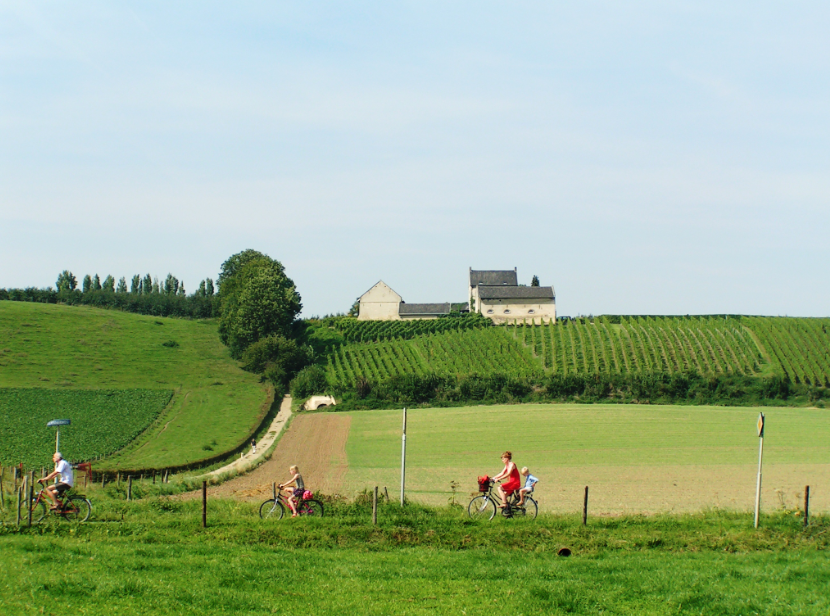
(103, 421)
(353, 330)
(797, 349)
(643, 345)
(481, 351)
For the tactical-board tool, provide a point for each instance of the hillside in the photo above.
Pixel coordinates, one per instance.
(612, 349)
(72, 351)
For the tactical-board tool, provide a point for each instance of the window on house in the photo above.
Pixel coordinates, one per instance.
(531, 311)
(506, 312)
(489, 312)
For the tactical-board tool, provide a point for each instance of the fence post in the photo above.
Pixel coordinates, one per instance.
(19, 496)
(2, 493)
(30, 495)
(130, 488)
(103, 480)
(204, 504)
(806, 505)
(274, 488)
(386, 492)
(375, 507)
(585, 508)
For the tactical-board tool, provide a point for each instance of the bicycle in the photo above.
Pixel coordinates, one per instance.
(70, 507)
(486, 504)
(274, 508)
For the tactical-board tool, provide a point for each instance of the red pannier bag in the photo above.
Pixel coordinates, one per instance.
(307, 495)
(483, 483)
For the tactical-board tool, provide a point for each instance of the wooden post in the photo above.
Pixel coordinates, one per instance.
(585, 508)
(30, 495)
(204, 504)
(375, 508)
(806, 505)
(386, 492)
(19, 496)
(154, 477)
(118, 479)
(2, 493)
(130, 488)
(42, 472)
(103, 480)
(274, 487)
(15, 477)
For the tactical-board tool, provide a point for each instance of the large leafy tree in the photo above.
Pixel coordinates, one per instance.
(66, 281)
(258, 300)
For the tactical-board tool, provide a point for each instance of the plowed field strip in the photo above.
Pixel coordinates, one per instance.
(315, 442)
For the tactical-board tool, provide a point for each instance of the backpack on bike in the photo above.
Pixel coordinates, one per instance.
(483, 483)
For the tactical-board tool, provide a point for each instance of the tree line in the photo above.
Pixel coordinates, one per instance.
(144, 295)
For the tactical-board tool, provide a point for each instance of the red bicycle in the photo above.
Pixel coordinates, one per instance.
(71, 507)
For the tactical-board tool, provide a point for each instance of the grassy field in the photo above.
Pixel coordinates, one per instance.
(635, 458)
(151, 557)
(215, 404)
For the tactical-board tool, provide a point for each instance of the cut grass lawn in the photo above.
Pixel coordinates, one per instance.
(416, 561)
(635, 457)
(215, 405)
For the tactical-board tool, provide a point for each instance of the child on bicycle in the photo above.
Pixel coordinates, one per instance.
(299, 487)
(530, 483)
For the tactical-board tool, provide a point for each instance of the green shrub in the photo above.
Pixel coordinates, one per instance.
(309, 381)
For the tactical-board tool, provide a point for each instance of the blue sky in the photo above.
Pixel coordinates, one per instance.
(642, 157)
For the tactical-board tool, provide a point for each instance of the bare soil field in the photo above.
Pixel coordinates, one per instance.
(315, 442)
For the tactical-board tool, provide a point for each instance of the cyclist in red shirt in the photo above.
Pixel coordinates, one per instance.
(513, 482)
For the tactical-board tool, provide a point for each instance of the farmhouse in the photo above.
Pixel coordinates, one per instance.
(495, 294)
(381, 303)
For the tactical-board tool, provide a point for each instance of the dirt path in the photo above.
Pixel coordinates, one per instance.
(316, 443)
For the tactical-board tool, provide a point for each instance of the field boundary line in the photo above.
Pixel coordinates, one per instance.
(250, 460)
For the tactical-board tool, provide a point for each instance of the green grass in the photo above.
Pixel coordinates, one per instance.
(108, 420)
(608, 446)
(215, 405)
(152, 557)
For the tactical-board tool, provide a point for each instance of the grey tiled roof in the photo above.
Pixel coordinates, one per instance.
(521, 293)
(493, 277)
(423, 309)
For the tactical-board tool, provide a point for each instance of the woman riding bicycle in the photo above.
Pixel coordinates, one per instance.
(514, 481)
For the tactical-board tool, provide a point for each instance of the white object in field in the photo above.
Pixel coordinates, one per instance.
(316, 402)
(760, 460)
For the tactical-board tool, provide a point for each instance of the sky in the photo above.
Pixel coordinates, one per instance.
(641, 157)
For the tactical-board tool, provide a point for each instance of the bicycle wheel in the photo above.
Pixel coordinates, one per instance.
(76, 509)
(311, 507)
(271, 510)
(38, 511)
(528, 510)
(482, 507)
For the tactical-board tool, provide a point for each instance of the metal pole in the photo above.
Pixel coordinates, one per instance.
(760, 460)
(403, 456)
(57, 440)
(204, 504)
(585, 508)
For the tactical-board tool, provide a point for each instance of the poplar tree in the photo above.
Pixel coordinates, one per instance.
(109, 284)
(147, 285)
(122, 285)
(96, 283)
(87, 284)
(135, 285)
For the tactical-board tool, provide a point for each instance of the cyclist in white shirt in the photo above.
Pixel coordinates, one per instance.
(64, 469)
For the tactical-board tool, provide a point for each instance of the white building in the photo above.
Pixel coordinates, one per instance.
(497, 295)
